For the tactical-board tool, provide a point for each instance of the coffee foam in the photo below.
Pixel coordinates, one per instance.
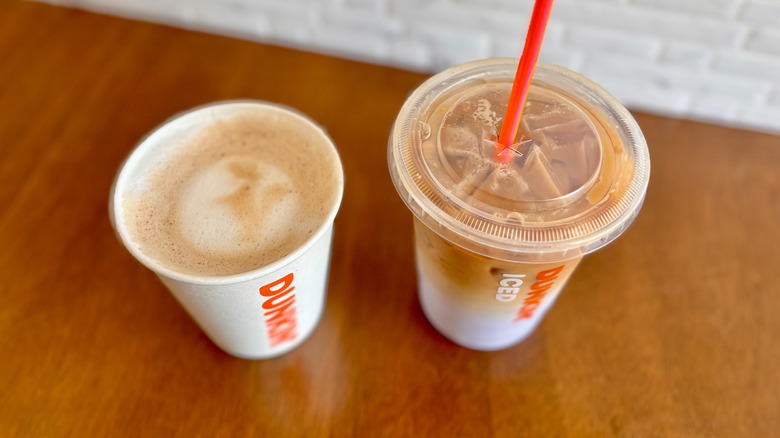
(237, 195)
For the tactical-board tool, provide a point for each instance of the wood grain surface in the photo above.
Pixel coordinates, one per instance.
(671, 331)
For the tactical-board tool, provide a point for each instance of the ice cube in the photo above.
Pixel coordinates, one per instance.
(570, 147)
(540, 120)
(540, 176)
(504, 187)
(461, 149)
(470, 182)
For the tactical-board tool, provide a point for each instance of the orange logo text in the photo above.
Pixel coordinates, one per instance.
(544, 281)
(281, 321)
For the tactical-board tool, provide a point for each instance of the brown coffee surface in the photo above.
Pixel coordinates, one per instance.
(236, 195)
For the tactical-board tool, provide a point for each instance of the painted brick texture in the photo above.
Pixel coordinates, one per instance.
(712, 60)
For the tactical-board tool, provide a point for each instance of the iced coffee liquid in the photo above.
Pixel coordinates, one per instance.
(549, 173)
(233, 194)
(499, 230)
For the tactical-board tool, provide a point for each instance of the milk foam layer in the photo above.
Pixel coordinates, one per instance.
(236, 195)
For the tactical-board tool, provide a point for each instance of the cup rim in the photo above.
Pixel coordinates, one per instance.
(515, 242)
(147, 141)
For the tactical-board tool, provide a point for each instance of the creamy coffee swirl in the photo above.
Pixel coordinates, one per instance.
(237, 194)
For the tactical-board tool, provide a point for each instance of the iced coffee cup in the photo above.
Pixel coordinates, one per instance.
(497, 237)
(232, 206)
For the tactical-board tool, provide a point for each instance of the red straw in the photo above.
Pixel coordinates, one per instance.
(525, 71)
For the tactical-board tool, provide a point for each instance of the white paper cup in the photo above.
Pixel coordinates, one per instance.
(258, 314)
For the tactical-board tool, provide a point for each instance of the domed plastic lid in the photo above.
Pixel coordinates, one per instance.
(572, 182)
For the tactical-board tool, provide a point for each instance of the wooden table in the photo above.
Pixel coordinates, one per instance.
(672, 330)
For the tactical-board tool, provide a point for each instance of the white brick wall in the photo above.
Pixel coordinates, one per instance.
(713, 60)
(764, 40)
(761, 12)
(714, 8)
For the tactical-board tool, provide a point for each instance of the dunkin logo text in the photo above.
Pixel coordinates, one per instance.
(544, 282)
(508, 287)
(281, 320)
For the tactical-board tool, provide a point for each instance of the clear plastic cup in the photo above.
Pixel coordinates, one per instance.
(498, 232)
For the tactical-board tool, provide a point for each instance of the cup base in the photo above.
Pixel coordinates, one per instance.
(459, 325)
